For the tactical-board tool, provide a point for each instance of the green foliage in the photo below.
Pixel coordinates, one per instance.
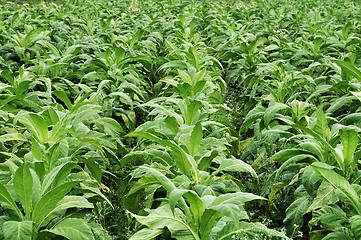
(178, 119)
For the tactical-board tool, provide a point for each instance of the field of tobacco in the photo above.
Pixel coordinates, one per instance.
(180, 119)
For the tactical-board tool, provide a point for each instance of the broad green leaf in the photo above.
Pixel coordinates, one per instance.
(294, 215)
(18, 230)
(156, 155)
(235, 198)
(316, 44)
(196, 206)
(72, 228)
(206, 160)
(289, 164)
(64, 98)
(325, 196)
(111, 125)
(36, 125)
(195, 59)
(163, 217)
(256, 43)
(94, 168)
(185, 77)
(346, 30)
(232, 212)
(36, 150)
(12, 137)
(123, 97)
(207, 222)
(236, 165)
(196, 139)
(49, 201)
(339, 103)
(252, 116)
(357, 95)
(195, 202)
(8, 76)
(7, 199)
(41, 126)
(184, 163)
(146, 234)
(57, 176)
(339, 183)
(198, 76)
(314, 148)
(96, 191)
(192, 110)
(285, 154)
(333, 217)
(349, 68)
(246, 230)
(23, 186)
(143, 183)
(309, 180)
(177, 64)
(321, 126)
(52, 48)
(319, 138)
(338, 236)
(198, 87)
(72, 202)
(172, 124)
(36, 188)
(355, 222)
(59, 130)
(66, 203)
(272, 110)
(166, 183)
(353, 118)
(349, 142)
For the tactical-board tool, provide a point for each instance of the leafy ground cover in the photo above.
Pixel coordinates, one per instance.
(176, 119)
